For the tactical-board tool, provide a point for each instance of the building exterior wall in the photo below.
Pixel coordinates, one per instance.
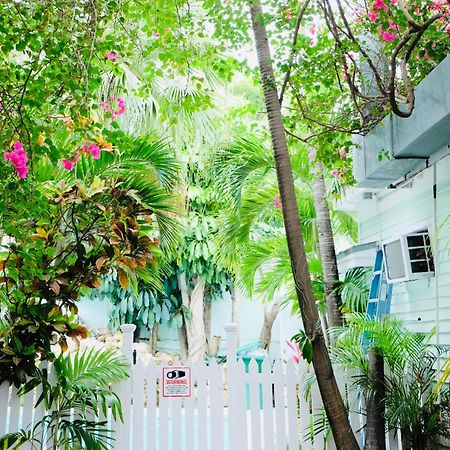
(422, 304)
(95, 315)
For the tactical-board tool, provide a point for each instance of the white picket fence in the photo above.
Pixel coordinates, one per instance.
(229, 409)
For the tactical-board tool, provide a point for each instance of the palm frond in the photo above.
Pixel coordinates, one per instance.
(354, 289)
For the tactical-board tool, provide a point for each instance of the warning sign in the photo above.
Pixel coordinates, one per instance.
(176, 381)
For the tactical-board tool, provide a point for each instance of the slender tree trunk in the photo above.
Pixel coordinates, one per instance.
(195, 327)
(326, 244)
(207, 309)
(235, 309)
(375, 427)
(154, 339)
(136, 334)
(182, 337)
(334, 406)
(269, 318)
(406, 440)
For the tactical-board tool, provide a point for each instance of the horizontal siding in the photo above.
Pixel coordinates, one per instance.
(415, 302)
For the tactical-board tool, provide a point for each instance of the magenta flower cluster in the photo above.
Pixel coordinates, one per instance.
(114, 112)
(19, 158)
(89, 148)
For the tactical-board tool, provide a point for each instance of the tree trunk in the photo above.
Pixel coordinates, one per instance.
(406, 440)
(334, 406)
(269, 318)
(136, 334)
(235, 309)
(182, 337)
(375, 427)
(196, 325)
(154, 339)
(326, 244)
(207, 307)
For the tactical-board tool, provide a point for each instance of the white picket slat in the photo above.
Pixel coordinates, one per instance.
(216, 406)
(14, 414)
(267, 384)
(280, 432)
(27, 401)
(4, 400)
(138, 393)
(319, 438)
(255, 406)
(305, 422)
(202, 405)
(241, 404)
(292, 405)
(189, 418)
(151, 375)
(163, 419)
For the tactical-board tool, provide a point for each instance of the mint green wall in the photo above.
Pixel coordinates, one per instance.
(424, 303)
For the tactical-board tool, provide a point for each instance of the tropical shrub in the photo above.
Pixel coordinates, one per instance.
(416, 397)
(75, 401)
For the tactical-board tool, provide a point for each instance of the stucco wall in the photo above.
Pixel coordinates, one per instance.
(424, 303)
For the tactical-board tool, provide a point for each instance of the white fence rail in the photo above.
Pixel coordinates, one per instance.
(272, 406)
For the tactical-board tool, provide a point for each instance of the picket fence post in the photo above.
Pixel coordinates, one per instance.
(122, 433)
(231, 381)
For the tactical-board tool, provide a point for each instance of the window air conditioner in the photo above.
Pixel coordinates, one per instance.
(408, 257)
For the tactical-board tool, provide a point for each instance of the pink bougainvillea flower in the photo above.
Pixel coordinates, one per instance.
(447, 29)
(343, 153)
(438, 5)
(388, 37)
(156, 35)
(111, 56)
(92, 149)
(335, 173)
(417, 11)
(114, 112)
(276, 202)
(68, 165)
(19, 159)
(379, 4)
(344, 170)
(288, 14)
(372, 16)
(392, 25)
(296, 352)
(167, 30)
(313, 29)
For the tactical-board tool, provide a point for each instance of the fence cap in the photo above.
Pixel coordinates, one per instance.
(231, 326)
(127, 328)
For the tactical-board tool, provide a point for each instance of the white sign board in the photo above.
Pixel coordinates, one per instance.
(176, 382)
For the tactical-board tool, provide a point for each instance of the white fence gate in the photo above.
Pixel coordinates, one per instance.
(271, 407)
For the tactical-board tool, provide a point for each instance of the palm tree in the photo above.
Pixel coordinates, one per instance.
(334, 406)
(405, 392)
(252, 238)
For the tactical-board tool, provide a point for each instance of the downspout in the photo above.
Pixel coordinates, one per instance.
(436, 253)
